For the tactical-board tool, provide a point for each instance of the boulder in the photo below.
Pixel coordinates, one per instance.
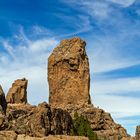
(3, 103)
(68, 74)
(18, 92)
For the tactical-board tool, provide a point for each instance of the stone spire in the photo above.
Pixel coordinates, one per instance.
(18, 92)
(68, 74)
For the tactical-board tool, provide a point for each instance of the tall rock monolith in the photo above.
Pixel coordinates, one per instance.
(68, 74)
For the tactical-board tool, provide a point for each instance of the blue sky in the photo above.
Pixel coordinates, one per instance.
(30, 29)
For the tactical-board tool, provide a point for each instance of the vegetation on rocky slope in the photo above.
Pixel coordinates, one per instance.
(82, 127)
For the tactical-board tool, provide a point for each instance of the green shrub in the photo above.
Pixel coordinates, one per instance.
(82, 127)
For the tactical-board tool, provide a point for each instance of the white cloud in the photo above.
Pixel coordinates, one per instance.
(37, 85)
(83, 27)
(41, 45)
(96, 8)
(39, 30)
(106, 53)
(30, 61)
(120, 85)
(112, 103)
(124, 3)
(9, 49)
(100, 9)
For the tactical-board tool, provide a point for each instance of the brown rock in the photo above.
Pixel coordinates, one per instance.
(137, 135)
(37, 121)
(68, 74)
(2, 118)
(101, 122)
(52, 137)
(18, 92)
(3, 103)
(8, 135)
(64, 137)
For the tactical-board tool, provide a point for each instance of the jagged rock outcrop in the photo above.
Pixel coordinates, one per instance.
(37, 121)
(3, 103)
(18, 92)
(137, 135)
(101, 122)
(68, 74)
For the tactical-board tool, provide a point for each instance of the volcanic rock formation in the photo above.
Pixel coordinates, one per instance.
(18, 92)
(68, 74)
(3, 103)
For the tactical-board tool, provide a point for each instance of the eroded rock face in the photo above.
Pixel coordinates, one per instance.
(3, 103)
(68, 74)
(18, 92)
(37, 121)
(101, 122)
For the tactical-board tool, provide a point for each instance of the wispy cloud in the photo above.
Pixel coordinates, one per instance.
(76, 29)
(95, 8)
(114, 86)
(30, 61)
(124, 3)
